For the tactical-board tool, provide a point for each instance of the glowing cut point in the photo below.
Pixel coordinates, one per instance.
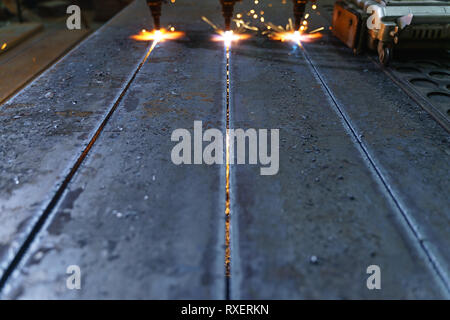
(229, 36)
(157, 35)
(296, 36)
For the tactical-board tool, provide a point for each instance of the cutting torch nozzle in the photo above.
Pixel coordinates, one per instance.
(299, 11)
(227, 11)
(155, 9)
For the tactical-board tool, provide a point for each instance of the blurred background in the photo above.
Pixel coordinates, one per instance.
(33, 35)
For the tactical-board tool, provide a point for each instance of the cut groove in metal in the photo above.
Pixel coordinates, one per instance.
(227, 177)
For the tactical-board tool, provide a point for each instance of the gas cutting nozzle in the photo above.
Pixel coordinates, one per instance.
(227, 11)
(299, 11)
(155, 9)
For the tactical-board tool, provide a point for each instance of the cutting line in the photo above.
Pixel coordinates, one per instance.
(227, 177)
(409, 221)
(18, 258)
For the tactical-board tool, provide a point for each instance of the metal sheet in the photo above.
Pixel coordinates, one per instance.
(46, 126)
(141, 227)
(312, 230)
(136, 224)
(409, 148)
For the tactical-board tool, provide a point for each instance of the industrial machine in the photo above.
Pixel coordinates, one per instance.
(383, 25)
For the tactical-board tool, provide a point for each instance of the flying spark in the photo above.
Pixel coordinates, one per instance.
(289, 34)
(229, 36)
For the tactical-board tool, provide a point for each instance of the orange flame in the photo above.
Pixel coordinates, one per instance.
(157, 35)
(295, 36)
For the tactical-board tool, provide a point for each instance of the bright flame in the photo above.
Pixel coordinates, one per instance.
(157, 35)
(229, 36)
(295, 36)
(289, 34)
(4, 46)
(317, 30)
